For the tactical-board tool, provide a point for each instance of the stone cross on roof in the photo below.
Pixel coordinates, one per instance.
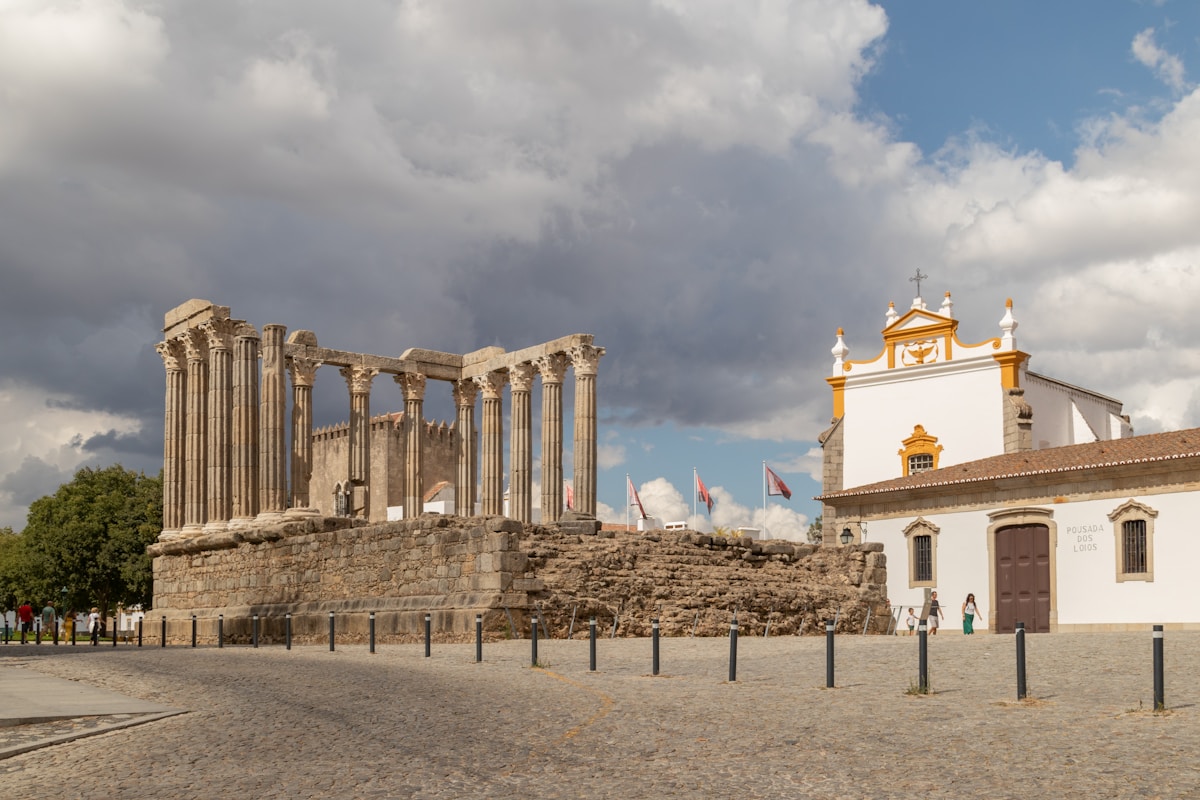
(917, 279)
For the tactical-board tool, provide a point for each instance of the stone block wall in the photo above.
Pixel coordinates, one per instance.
(692, 581)
(454, 568)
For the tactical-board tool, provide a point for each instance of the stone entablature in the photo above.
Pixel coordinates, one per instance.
(225, 467)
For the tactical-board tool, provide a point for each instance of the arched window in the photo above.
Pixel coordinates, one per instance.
(922, 536)
(1133, 529)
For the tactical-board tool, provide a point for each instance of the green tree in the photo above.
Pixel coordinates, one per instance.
(814, 530)
(90, 538)
(12, 569)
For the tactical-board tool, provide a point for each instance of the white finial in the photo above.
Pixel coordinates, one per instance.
(840, 351)
(892, 316)
(1008, 324)
(919, 303)
(947, 309)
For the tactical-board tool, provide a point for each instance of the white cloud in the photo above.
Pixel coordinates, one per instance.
(1168, 67)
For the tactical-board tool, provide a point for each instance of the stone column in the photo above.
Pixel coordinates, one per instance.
(413, 384)
(174, 436)
(585, 359)
(245, 426)
(358, 380)
(552, 367)
(464, 489)
(520, 481)
(272, 450)
(302, 371)
(195, 470)
(220, 423)
(492, 385)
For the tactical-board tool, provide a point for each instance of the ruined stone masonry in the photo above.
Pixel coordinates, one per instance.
(454, 568)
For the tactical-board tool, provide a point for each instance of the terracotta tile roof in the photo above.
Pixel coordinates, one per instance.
(1093, 455)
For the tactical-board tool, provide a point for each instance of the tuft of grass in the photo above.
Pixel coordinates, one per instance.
(916, 689)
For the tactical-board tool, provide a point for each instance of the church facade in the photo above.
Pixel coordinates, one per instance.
(981, 476)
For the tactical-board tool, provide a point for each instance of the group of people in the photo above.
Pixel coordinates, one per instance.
(970, 610)
(26, 616)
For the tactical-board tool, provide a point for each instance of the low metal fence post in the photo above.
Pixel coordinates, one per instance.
(534, 640)
(830, 626)
(371, 631)
(654, 637)
(1160, 703)
(1020, 637)
(733, 634)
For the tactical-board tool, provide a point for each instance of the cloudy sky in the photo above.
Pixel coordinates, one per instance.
(711, 188)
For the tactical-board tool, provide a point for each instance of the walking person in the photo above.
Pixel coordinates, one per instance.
(94, 625)
(48, 617)
(935, 614)
(25, 618)
(969, 611)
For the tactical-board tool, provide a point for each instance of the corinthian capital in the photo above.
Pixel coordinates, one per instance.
(412, 383)
(304, 370)
(465, 392)
(195, 344)
(585, 358)
(521, 377)
(172, 354)
(219, 333)
(552, 367)
(358, 379)
(491, 384)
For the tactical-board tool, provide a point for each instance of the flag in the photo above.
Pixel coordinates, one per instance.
(702, 493)
(569, 494)
(775, 485)
(634, 500)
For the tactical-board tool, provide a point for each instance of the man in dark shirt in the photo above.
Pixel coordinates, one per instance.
(935, 614)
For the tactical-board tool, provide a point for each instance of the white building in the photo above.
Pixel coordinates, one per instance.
(980, 476)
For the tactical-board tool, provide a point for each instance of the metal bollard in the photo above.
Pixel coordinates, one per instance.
(429, 632)
(162, 636)
(254, 631)
(287, 630)
(654, 639)
(733, 631)
(1160, 703)
(1020, 636)
(114, 630)
(37, 631)
(922, 657)
(592, 643)
(478, 638)
(331, 631)
(534, 640)
(371, 630)
(139, 632)
(56, 631)
(830, 626)
(193, 630)
(220, 631)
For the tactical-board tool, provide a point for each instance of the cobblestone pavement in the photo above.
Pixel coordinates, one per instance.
(269, 723)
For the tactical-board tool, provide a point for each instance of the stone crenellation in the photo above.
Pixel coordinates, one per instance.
(454, 568)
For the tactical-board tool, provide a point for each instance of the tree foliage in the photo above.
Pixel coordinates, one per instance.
(814, 530)
(90, 538)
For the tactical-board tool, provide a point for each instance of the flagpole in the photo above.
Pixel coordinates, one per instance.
(695, 492)
(764, 490)
(628, 500)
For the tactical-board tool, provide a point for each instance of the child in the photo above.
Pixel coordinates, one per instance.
(912, 621)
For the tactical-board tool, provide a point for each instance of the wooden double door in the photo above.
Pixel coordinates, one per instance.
(1023, 578)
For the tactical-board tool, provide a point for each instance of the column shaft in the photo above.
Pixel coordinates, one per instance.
(358, 380)
(220, 424)
(174, 435)
(245, 425)
(520, 482)
(302, 372)
(195, 471)
(272, 451)
(585, 359)
(552, 368)
(465, 392)
(492, 385)
(413, 384)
